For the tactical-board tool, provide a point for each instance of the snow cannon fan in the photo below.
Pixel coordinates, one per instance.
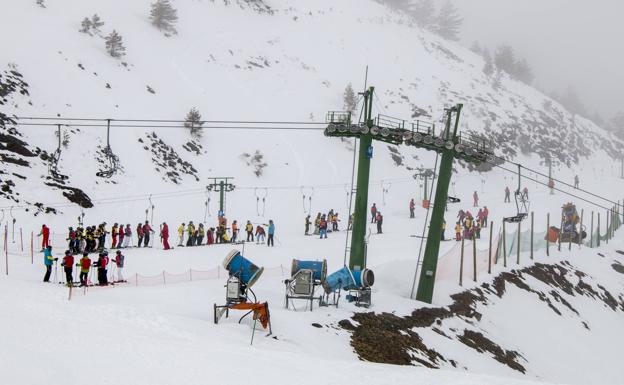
(356, 282)
(243, 274)
(305, 277)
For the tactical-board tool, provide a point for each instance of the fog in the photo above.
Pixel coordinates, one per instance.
(574, 43)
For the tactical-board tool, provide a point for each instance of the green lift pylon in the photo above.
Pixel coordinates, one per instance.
(419, 134)
(221, 185)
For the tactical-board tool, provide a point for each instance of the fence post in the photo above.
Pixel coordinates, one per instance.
(218, 271)
(591, 233)
(474, 257)
(490, 249)
(21, 240)
(191, 275)
(560, 233)
(504, 245)
(532, 220)
(580, 237)
(598, 231)
(547, 234)
(32, 248)
(6, 256)
(164, 281)
(136, 279)
(518, 245)
(461, 263)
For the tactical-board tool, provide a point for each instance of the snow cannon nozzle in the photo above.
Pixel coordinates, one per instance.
(242, 268)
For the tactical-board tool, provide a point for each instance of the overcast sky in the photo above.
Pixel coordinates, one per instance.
(567, 42)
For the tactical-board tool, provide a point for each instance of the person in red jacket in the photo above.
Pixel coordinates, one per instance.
(102, 265)
(139, 231)
(45, 233)
(122, 234)
(373, 211)
(147, 229)
(114, 232)
(164, 234)
(68, 267)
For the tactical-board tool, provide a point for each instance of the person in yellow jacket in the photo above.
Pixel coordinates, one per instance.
(191, 234)
(458, 230)
(181, 234)
(249, 229)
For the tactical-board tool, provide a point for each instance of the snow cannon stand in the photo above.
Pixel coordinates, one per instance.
(305, 277)
(243, 274)
(356, 282)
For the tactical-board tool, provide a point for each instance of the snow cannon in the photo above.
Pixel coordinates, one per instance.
(242, 268)
(356, 282)
(318, 268)
(305, 277)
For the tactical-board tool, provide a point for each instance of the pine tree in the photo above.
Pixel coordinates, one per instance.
(349, 99)
(401, 5)
(488, 68)
(164, 16)
(423, 12)
(194, 123)
(449, 22)
(40, 3)
(96, 23)
(86, 26)
(505, 59)
(616, 124)
(523, 72)
(114, 45)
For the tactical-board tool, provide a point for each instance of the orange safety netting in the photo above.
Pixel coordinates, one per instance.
(260, 311)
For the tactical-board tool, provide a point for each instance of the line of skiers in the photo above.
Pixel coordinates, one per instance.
(84, 265)
(190, 235)
(322, 224)
(467, 226)
(93, 238)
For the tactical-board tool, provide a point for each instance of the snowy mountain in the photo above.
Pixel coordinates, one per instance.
(284, 60)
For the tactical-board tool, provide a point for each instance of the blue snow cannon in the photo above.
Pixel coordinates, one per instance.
(241, 267)
(319, 268)
(348, 280)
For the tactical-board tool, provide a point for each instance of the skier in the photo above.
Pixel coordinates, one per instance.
(412, 207)
(323, 227)
(373, 211)
(48, 261)
(576, 181)
(271, 233)
(201, 232)
(68, 267)
(127, 235)
(45, 233)
(461, 215)
(114, 232)
(181, 229)
(475, 198)
(477, 230)
(122, 236)
(334, 222)
(525, 192)
(85, 266)
(458, 232)
(210, 236)
(140, 235)
(190, 232)
(234, 231)
(90, 239)
(307, 225)
(147, 229)
(119, 261)
(379, 221)
(164, 234)
(480, 216)
(507, 192)
(260, 235)
(486, 213)
(71, 237)
(317, 224)
(249, 230)
(102, 264)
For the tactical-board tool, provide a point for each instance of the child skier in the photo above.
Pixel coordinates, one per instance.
(181, 234)
(68, 267)
(458, 230)
(139, 231)
(119, 262)
(323, 227)
(48, 261)
(260, 234)
(85, 266)
(249, 230)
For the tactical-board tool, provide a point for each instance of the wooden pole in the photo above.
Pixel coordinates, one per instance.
(490, 249)
(591, 233)
(607, 232)
(518, 245)
(32, 248)
(474, 257)
(504, 246)
(461, 264)
(532, 224)
(21, 240)
(6, 253)
(560, 233)
(598, 231)
(548, 234)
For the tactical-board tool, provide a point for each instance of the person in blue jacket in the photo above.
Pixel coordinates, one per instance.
(271, 233)
(48, 261)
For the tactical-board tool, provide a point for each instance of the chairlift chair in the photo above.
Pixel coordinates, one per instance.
(522, 203)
